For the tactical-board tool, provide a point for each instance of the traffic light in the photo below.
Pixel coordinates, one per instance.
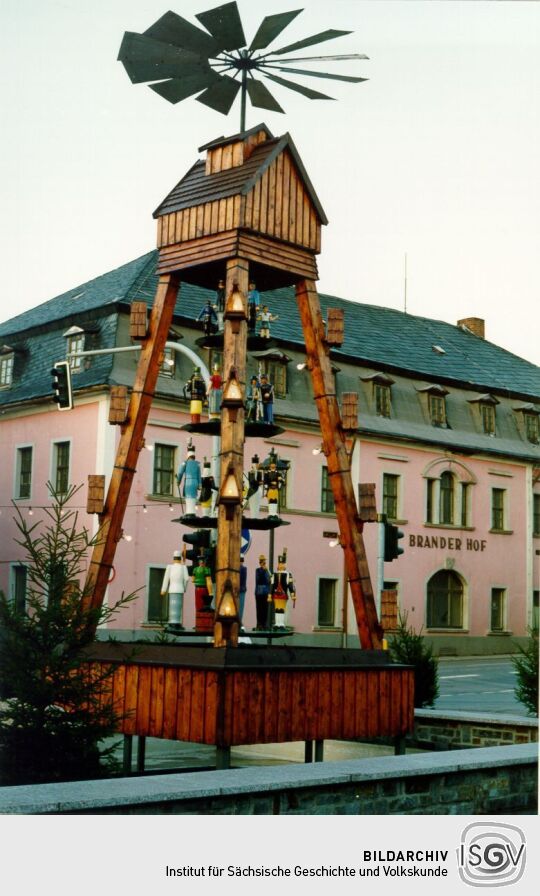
(61, 385)
(392, 535)
(200, 539)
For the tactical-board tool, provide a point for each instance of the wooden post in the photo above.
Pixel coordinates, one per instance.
(131, 441)
(232, 459)
(339, 472)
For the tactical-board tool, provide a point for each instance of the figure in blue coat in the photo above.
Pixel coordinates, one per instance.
(190, 473)
(209, 318)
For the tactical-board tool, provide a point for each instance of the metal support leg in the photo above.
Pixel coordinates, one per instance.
(127, 754)
(319, 750)
(399, 745)
(141, 753)
(308, 751)
(223, 757)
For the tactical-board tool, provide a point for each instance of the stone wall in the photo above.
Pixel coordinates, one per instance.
(494, 780)
(459, 730)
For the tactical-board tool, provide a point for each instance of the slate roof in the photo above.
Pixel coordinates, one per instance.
(197, 187)
(382, 338)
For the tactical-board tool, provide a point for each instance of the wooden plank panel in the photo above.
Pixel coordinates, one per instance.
(373, 700)
(227, 157)
(361, 724)
(312, 697)
(119, 692)
(130, 702)
(271, 206)
(222, 215)
(183, 714)
(349, 704)
(185, 225)
(241, 708)
(336, 714)
(256, 708)
(270, 708)
(247, 220)
(196, 720)
(278, 209)
(170, 706)
(229, 213)
(207, 218)
(285, 198)
(263, 227)
(199, 229)
(395, 702)
(237, 202)
(214, 216)
(293, 188)
(324, 706)
(227, 711)
(298, 706)
(306, 216)
(192, 232)
(284, 706)
(143, 701)
(157, 686)
(210, 708)
(299, 212)
(384, 702)
(237, 154)
(256, 221)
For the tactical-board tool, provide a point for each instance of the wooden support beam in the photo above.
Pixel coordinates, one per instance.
(232, 458)
(131, 441)
(339, 472)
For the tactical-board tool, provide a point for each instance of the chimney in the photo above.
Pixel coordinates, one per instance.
(476, 325)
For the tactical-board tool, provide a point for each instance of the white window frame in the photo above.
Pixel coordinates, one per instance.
(337, 602)
(167, 444)
(54, 456)
(7, 363)
(17, 472)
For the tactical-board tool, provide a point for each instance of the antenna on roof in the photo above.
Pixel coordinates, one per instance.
(405, 287)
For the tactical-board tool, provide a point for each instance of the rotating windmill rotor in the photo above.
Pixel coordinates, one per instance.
(181, 60)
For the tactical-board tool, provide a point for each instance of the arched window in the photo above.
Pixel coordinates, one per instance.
(445, 600)
(446, 510)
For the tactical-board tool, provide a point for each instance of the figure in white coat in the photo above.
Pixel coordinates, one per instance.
(175, 582)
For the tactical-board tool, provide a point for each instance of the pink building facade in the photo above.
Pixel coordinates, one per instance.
(453, 454)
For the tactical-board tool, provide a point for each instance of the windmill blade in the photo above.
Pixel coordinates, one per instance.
(309, 41)
(305, 91)
(146, 59)
(300, 71)
(270, 27)
(173, 29)
(220, 96)
(224, 25)
(342, 57)
(179, 89)
(261, 97)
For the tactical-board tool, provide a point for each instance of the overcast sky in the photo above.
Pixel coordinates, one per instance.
(436, 155)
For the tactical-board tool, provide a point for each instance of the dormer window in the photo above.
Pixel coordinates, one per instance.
(6, 369)
(484, 408)
(382, 393)
(435, 397)
(74, 344)
(487, 413)
(169, 362)
(274, 364)
(532, 427)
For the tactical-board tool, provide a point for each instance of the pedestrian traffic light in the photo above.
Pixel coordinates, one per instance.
(200, 539)
(61, 385)
(392, 535)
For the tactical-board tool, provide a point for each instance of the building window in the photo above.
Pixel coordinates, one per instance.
(19, 587)
(215, 357)
(327, 495)
(498, 607)
(536, 514)
(23, 481)
(157, 610)
(169, 362)
(75, 343)
(465, 504)
(437, 409)
(382, 399)
(6, 370)
(61, 467)
(535, 614)
(326, 604)
(487, 413)
(430, 501)
(276, 371)
(445, 600)
(164, 470)
(498, 502)
(446, 501)
(390, 495)
(532, 427)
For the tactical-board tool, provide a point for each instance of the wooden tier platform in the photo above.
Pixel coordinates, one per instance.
(256, 695)
(213, 428)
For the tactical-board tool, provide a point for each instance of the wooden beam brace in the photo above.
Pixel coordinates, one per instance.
(323, 381)
(131, 441)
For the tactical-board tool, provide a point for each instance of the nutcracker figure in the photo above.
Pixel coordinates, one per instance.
(195, 390)
(273, 482)
(208, 486)
(254, 298)
(209, 318)
(282, 590)
(189, 473)
(255, 478)
(175, 582)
